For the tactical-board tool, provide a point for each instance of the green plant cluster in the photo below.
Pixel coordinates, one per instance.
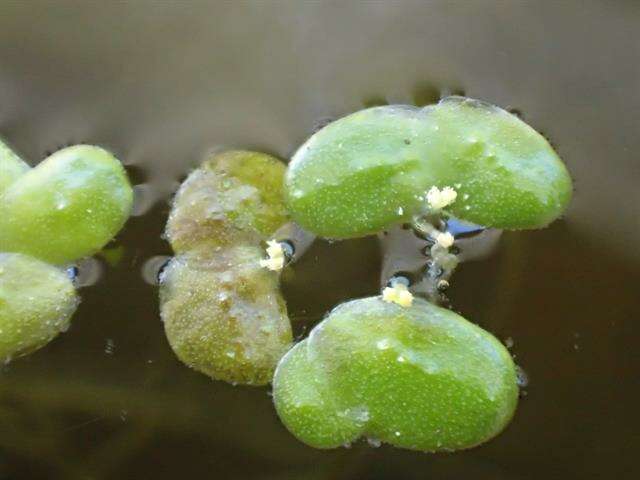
(389, 368)
(67, 207)
(223, 313)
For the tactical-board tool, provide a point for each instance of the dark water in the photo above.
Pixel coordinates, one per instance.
(162, 83)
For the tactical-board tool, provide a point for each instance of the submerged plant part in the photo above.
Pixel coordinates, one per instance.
(418, 377)
(36, 303)
(377, 167)
(67, 207)
(221, 305)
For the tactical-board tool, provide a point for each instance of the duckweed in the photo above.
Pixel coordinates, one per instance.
(222, 310)
(224, 315)
(36, 303)
(67, 207)
(421, 378)
(374, 168)
(234, 196)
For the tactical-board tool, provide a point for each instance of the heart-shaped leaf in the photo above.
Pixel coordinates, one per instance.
(223, 312)
(373, 169)
(421, 378)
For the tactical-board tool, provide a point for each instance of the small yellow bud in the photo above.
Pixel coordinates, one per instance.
(398, 294)
(276, 258)
(444, 239)
(438, 199)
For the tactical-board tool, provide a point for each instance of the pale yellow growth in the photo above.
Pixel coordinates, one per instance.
(276, 258)
(398, 294)
(444, 239)
(438, 199)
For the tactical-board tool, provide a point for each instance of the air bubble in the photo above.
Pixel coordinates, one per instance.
(288, 249)
(400, 278)
(294, 240)
(462, 229)
(89, 272)
(143, 199)
(109, 346)
(152, 268)
(72, 273)
(521, 377)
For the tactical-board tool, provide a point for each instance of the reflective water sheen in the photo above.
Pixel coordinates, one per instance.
(163, 83)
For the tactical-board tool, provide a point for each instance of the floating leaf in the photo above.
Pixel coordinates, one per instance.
(374, 168)
(419, 377)
(67, 207)
(235, 196)
(223, 312)
(224, 315)
(36, 303)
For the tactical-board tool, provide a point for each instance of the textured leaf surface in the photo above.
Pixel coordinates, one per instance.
(224, 315)
(372, 169)
(235, 196)
(36, 303)
(421, 378)
(67, 207)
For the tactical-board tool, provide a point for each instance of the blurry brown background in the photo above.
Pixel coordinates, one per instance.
(162, 83)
